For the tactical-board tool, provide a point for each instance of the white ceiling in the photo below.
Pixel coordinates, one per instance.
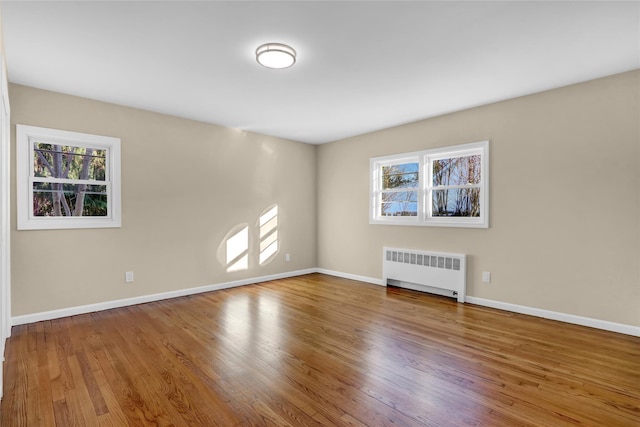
(361, 66)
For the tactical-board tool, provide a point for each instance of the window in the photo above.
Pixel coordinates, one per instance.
(446, 187)
(399, 187)
(67, 179)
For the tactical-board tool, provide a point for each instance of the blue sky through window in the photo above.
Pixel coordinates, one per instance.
(395, 178)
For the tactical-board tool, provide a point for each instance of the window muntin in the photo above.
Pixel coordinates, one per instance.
(67, 179)
(440, 187)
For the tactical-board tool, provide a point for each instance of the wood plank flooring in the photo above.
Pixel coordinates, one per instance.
(317, 350)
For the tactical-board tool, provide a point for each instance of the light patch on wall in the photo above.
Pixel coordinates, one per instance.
(237, 249)
(268, 224)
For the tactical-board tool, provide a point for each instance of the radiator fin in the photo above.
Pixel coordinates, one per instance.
(448, 262)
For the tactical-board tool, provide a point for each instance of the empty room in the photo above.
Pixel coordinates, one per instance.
(320, 213)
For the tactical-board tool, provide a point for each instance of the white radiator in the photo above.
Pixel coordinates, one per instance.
(439, 273)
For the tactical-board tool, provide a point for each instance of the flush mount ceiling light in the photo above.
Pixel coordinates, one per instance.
(275, 55)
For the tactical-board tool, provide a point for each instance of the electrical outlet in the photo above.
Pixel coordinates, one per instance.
(128, 277)
(486, 276)
(287, 257)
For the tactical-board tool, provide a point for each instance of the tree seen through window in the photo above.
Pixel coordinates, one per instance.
(400, 190)
(456, 186)
(69, 180)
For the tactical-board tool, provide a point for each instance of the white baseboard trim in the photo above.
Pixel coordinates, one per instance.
(532, 311)
(351, 276)
(90, 308)
(522, 309)
(555, 315)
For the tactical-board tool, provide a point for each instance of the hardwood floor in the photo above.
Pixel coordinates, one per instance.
(317, 351)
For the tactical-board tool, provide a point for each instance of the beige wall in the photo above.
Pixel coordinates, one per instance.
(186, 184)
(565, 203)
(564, 196)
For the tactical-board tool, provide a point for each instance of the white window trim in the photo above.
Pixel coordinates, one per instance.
(24, 171)
(424, 158)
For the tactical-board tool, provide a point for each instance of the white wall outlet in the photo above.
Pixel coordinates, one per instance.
(128, 277)
(486, 276)
(287, 257)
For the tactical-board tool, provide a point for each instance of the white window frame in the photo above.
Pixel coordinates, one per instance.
(25, 136)
(425, 187)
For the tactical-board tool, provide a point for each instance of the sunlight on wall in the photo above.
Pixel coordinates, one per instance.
(238, 250)
(268, 234)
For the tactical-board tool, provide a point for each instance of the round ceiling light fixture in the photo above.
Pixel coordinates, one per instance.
(275, 55)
